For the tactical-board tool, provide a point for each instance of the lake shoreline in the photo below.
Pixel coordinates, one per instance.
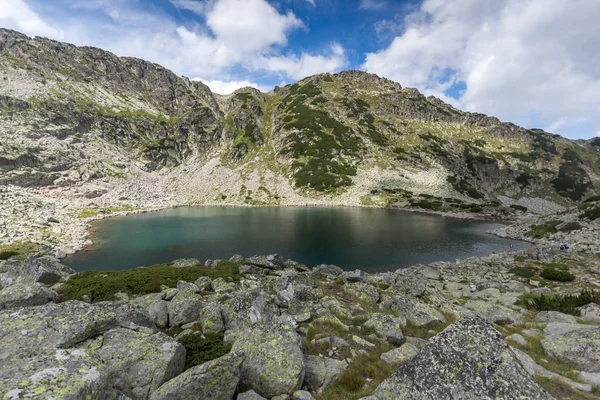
(93, 242)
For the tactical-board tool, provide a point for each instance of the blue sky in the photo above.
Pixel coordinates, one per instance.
(519, 60)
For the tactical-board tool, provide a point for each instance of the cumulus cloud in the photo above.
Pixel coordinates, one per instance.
(299, 67)
(17, 15)
(227, 87)
(372, 4)
(517, 59)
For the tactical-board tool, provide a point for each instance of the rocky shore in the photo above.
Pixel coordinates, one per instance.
(265, 328)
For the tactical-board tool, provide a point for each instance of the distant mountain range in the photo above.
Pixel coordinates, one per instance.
(75, 116)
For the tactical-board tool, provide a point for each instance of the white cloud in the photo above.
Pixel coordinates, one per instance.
(227, 87)
(516, 58)
(197, 6)
(249, 25)
(17, 15)
(372, 4)
(299, 67)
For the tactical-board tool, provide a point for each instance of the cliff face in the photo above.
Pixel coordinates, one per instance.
(80, 117)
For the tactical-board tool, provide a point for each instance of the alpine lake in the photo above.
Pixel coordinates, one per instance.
(370, 239)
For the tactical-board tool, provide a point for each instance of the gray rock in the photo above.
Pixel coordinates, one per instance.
(272, 261)
(327, 271)
(302, 395)
(221, 285)
(400, 354)
(186, 262)
(411, 282)
(590, 312)
(138, 362)
(25, 295)
(468, 360)
(322, 371)
(214, 380)
(155, 308)
(574, 344)
(183, 285)
(356, 276)
(250, 395)
(554, 316)
(236, 258)
(184, 308)
(416, 312)
(248, 307)
(45, 270)
(595, 271)
(518, 339)
(274, 363)
(493, 312)
(388, 327)
(536, 370)
(211, 320)
(37, 353)
(204, 283)
(363, 291)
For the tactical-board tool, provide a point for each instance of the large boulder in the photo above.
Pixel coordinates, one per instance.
(468, 360)
(388, 327)
(39, 355)
(574, 343)
(138, 362)
(322, 371)
(554, 316)
(249, 307)
(214, 380)
(211, 320)
(25, 295)
(274, 363)
(184, 308)
(45, 270)
(492, 312)
(363, 291)
(155, 308)
(400, 354)
(414, 311)
(272, 261)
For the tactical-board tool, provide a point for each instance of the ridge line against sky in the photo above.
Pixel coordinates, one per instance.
(532, 62)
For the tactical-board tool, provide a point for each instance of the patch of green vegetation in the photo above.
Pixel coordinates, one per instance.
(564, 303)
(201, 349)
(103, 285)
(243, 96)
(592, 199)
(19, 250)
(327, 78)
(520, 258)
(542, 141)
(462, 186)
(160, 144)
(540, 230)
(560, 389)
(556, 274)
(426, 204)
(572, 180)
(361, 378)
(474, 159)
(309, 90)
(368, 121)
(592, 213)
(524, 272)
(570, 227)
(87, 213)
(518, 207)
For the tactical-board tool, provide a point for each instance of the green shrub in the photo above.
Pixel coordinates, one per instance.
(524, 272)
(591, 213)
(5, 255)
(566, 303)
(103, 285)
(524, 179)
(572, 180)
(595, 141)
(520, 258)
(592, 199)
(555, 274)
(200, 350)
(519, 208)
(540, 230)
(571, 226)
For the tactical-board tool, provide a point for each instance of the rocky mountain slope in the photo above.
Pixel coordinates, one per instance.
(85, 133)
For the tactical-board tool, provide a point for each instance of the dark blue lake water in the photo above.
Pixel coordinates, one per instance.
(370, 239)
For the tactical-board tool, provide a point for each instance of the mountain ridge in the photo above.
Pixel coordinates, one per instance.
(88, 130)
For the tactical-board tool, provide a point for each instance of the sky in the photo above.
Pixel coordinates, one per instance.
(532, 62)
